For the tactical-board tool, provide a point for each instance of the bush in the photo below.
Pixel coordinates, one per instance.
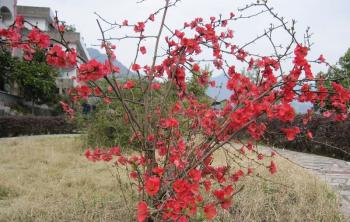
(330, 138)
(30, 125)
(104, 127)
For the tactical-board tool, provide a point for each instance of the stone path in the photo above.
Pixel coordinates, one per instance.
(335, 172)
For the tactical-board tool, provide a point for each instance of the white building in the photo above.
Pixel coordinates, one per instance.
(43, 18)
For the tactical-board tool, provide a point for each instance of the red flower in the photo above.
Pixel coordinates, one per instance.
(122, 160)
(309, 135)
(321, 58)
(212, 83)
(273, 167)
(210, 211)
(284, 112)
(196, 67)
(135, 67)
(250, 171)
(260, 156)
(151, 17)
(291, 132)
(169, 123)
(140, 27)
(195, 175)
(224, 195)
(142, 211)
(134, 175)
(156, 86)
(56, 57)
(152, 185)
(207, 185)
(107, 100)
(115, 151)
(180, 186)
(38, 38)
(88, 155)
(71, 58)
(129, 84)
(92, 70)
(143, 50)
(158, 170)
(237, 175)
(67, 109)
(125, 23)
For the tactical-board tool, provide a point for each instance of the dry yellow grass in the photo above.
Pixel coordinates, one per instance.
(48, 179)
(292, 194)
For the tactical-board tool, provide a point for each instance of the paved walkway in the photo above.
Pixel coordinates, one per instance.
(333, 171)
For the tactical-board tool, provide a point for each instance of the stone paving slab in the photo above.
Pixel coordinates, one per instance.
(333, 171)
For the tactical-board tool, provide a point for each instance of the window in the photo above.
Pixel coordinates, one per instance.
(5, 15)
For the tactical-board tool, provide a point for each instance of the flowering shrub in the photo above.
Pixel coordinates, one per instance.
(173, 170)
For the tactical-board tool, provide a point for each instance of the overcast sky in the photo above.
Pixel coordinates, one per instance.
(329, 20)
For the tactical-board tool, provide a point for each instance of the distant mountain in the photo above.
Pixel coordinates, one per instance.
(95, 54)
(220, 92)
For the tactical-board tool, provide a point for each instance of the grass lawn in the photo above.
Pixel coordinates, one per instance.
(49, 179)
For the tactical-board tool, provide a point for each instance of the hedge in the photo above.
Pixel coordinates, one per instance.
(330, 138)
(34, 125)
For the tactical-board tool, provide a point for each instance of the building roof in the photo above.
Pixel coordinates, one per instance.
(36, 12)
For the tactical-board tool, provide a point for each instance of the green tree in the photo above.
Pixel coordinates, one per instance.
(7, 63)
(340, 73)
(37, 81)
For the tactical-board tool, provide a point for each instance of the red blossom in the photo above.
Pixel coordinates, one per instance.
(224, 196)
(143, 50)
(158, 170)
(309, 135)
(125, 23)
(195, 67)
(67, 109)
(250, 171)
(115, 151)
(142, 211)
(273, 167)
(135, 67)
(291, 132)
(140, 27)
(156, 86)
(38, 38)
(129, 84)
(169, 123)
(210, 211)
(195, 175)
(321, 58)
(151, 18)
(152, 185)
(92, 70)
(56, 57)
